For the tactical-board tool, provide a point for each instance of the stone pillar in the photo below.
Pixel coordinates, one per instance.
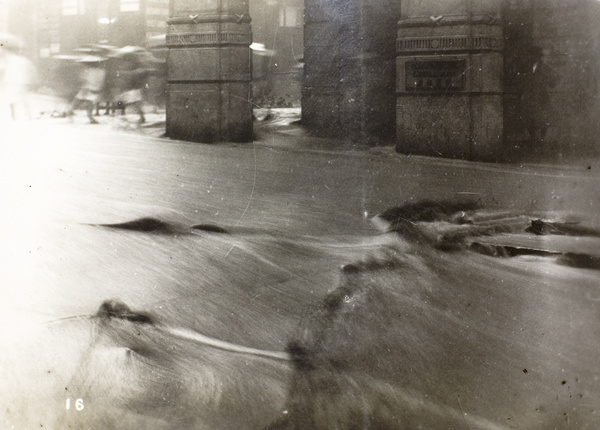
(330, 40)
(449, 73)
(349, 52)
(209, 71)
(567, 36)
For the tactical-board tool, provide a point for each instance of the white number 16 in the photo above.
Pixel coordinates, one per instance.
(78, 404)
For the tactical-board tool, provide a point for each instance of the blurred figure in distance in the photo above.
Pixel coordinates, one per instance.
(93, 80)
(17, 79)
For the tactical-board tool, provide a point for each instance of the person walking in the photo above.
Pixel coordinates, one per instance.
(133, 76)
(17, 79)
(93, 79)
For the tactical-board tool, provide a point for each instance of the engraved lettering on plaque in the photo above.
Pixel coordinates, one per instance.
(435, 75)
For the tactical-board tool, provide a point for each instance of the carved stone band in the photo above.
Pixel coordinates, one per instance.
(451, 43)
(208, 38)
(208, 18)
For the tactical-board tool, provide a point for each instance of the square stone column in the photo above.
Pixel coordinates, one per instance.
(449, 79)
(209, 71)
(349, 52)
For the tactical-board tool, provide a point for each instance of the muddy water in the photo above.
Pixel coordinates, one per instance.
(442, 339)
(249, 290)
(447, 339)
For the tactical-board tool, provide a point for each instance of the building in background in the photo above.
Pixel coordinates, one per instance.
(278, 25)
(357, 65)
(449, 78)
(71, 23)
(4, 16)
(50, 27)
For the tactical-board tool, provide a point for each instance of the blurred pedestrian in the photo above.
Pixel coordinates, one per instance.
(535, 95)
(110, 92)
(133, 76)
(17, 79)
(92, 83)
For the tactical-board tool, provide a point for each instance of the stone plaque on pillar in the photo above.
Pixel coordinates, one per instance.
(209, 71)
(449, 79)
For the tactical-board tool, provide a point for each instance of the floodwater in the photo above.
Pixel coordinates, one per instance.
(240, 254)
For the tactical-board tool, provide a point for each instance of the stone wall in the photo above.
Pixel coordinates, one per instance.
(490, 114)
(449, 79)
(568, 33)
(209, 71)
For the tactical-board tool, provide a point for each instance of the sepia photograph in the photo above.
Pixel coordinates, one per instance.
(300, 214)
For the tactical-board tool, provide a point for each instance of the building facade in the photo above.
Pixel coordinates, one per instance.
(278, 25)
(568, 36)
(441, 78)
(50, 27)
(349, 72)
(464, 83)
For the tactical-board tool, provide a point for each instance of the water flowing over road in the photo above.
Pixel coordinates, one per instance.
(238, 312)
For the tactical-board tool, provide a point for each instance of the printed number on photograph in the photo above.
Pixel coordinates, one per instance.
(78, 404)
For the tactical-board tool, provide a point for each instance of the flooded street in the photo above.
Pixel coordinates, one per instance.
(239, 253)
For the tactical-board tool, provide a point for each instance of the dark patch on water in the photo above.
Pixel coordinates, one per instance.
(300, 357)
(415, 222)
(540, 227)
(153, 225)
(490, 250)
(371, 264)
(349, 269)
(461, 222)
(508, 251)
(114, 308)
(146, 225)
(571, 259)
(402, 217)
(210, 228)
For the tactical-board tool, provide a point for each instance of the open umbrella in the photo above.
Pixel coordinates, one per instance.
(261, 50)
(141, 55)
(90, 59)
(101, 50)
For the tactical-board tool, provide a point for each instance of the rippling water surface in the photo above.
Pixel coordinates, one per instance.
(413, 336)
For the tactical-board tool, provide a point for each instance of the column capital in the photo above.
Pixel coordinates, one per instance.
(209, 18)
